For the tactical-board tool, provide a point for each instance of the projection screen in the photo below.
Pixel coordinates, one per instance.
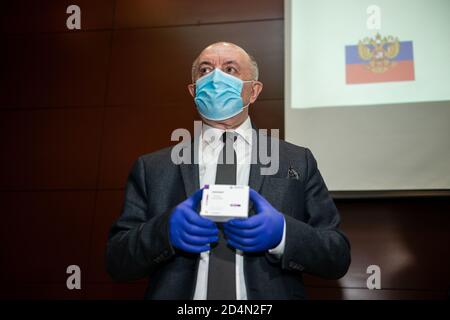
(367, 89)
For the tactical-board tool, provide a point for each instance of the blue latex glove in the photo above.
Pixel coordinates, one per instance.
(260, 232)
(188, 231)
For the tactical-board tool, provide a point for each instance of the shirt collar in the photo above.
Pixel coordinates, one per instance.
(245, 130)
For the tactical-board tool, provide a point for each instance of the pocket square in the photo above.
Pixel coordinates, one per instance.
(292, 174)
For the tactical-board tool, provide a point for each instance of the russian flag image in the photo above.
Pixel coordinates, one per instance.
(398, 68)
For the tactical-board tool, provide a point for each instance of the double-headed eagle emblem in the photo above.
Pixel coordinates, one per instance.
(379, 52)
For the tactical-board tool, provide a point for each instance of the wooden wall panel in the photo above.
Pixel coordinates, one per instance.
(49, 148)
(42, 233)
(156, 13)
(108, 209)
(54, 70)
(268, 114)
(29, 16)
(407, 238)
(40, 291)
(115, 291)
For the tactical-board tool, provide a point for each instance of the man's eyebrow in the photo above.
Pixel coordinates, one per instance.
(205, 62)
(231, 62)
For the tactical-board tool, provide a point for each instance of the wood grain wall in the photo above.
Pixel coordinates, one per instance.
(77, 107)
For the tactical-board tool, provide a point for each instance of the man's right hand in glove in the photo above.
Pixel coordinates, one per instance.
(188, 231)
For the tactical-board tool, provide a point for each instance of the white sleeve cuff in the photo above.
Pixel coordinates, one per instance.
(279, 249)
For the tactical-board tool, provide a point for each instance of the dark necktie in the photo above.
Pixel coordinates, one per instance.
(222, 267)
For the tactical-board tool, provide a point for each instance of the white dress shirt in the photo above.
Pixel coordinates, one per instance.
(210, 146)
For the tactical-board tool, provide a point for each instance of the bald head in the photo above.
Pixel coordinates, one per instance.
(228, 57)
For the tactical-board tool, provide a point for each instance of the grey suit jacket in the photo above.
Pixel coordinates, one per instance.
(139, 246)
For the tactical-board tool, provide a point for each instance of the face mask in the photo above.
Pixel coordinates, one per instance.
(218, 95)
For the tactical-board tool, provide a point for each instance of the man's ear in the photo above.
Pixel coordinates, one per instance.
(256, 90)
(191, 88)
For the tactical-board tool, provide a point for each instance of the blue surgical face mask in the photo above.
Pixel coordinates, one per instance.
(218, 95)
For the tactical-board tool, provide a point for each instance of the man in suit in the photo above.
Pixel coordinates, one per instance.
(293, 224)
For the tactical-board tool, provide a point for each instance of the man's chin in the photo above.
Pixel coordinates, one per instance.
(229, 123)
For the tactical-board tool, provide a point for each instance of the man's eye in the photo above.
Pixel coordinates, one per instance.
(205, 70)
(230, 70)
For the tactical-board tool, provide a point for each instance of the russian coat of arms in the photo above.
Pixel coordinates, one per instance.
(379, 52)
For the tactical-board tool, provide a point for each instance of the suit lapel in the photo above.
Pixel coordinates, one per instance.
(189, 172)
(255, 179)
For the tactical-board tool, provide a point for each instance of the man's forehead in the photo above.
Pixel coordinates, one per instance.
(222, 54)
